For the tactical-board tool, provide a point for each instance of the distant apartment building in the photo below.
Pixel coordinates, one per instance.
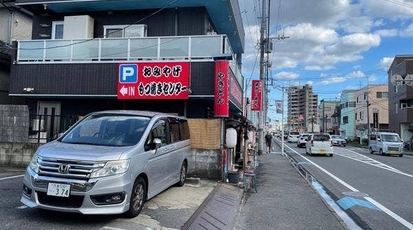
(302, 107)
(364, 110)
(347, 105)
(400, 82)
(326, 111)
(371, 111)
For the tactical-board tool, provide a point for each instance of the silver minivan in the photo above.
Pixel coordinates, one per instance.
(385, 143)
(110, 162)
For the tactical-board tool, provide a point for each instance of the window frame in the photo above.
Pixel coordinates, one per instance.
(124, 29)
(54, 30)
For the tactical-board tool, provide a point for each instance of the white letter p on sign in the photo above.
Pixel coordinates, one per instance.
(127, 72)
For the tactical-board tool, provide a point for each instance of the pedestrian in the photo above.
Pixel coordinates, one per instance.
(268, 141)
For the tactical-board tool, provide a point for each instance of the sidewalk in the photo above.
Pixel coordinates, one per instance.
(284, 201)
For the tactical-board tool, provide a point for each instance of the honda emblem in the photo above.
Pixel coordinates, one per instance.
(64, 168)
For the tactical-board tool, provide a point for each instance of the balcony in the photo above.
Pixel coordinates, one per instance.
(60, 51)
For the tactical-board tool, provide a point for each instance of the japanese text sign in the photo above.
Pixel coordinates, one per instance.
(221, 97)
(256, 95)
(153, 80)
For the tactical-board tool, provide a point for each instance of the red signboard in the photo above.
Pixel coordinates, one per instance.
(153, 80)
(256, 95)
(235, 90)
(221, 98)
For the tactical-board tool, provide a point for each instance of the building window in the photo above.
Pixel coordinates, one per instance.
(361, 115)
(57, 29)
(124, 31)
(382, 94)
(352, 104)
(355, 116)
(345, 120)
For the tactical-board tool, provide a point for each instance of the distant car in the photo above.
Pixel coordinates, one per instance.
(293, 136)
(338, 141)
(302, 139)
(386, 143)
(319, 143)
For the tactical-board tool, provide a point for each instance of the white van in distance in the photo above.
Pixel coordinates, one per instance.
(385, 143)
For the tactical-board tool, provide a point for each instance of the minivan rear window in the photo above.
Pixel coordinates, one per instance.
(321, 137)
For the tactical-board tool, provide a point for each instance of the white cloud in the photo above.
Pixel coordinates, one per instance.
(408, 31)
(361, 40)
(328, 80)
(387, 32)
(385, 63)
(392, 9)
(286, 76)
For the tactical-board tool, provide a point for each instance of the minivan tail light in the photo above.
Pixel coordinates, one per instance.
(312, 143)
(331, 143)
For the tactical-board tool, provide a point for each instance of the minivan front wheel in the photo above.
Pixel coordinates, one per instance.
(182, 175)
(138, 197)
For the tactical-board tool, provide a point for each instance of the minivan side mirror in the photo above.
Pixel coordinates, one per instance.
(153, 145)
(157, 143)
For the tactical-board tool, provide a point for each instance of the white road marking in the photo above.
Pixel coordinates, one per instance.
(367, 160)
(11, 177)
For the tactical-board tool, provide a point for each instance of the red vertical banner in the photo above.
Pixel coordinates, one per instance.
(256, 95)
(221, 98)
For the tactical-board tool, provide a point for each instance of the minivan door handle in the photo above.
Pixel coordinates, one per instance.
(169, 148)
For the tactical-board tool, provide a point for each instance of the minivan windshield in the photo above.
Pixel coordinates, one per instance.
(108, 130)
(391, 138)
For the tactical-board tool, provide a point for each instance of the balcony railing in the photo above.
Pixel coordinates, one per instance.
(204, 47)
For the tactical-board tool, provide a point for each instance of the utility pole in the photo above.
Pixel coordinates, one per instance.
(368, 114)
(261, 113)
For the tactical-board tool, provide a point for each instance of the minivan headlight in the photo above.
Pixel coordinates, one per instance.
(112, 168)
(34, 165)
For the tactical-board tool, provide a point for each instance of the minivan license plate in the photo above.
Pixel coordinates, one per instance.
(62, 190)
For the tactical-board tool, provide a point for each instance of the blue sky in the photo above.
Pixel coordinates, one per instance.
(333, 44)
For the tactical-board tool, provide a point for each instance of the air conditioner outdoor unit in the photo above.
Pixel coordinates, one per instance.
(78, 27)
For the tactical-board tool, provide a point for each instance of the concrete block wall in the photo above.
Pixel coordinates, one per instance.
(14, 123)
(205, 163)
(17, 154)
